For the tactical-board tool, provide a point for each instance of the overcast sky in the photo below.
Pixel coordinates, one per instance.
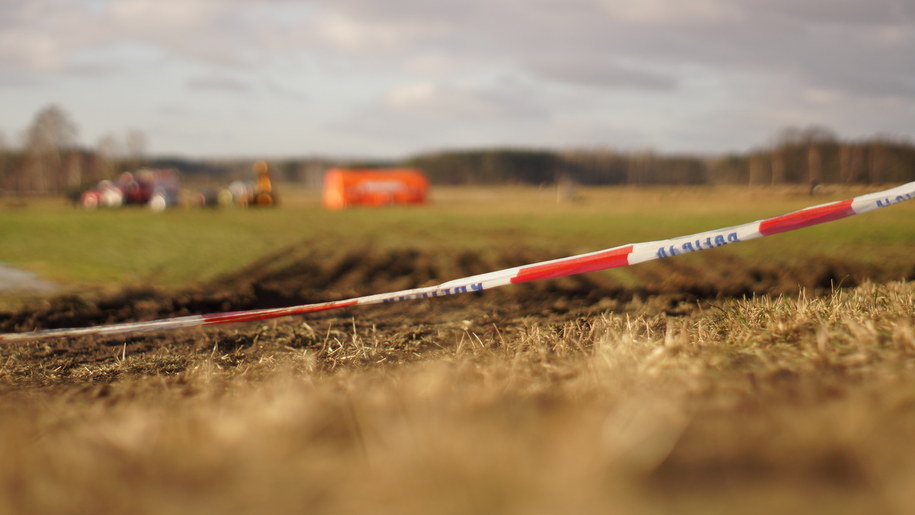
(395, 77)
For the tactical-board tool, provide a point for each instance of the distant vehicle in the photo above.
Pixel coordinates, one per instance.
(259, 192)
(374, 187)
(156, 189)
(262, 194)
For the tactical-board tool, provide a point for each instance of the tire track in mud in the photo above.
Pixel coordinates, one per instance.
(299, 275)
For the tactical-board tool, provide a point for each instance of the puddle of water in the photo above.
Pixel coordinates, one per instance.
(12, 279)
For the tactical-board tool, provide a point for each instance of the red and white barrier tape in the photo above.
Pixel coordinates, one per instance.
(601, 260)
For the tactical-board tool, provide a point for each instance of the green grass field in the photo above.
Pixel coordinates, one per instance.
(184, 246)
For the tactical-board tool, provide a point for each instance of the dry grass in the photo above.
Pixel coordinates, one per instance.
(751, 406)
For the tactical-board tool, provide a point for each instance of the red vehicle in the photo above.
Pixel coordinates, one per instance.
(156, 189)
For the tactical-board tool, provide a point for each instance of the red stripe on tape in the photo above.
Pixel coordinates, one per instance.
(806, 218)
(599, 261)
(247, 316)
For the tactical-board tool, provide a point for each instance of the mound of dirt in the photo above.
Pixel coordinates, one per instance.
(304, 275)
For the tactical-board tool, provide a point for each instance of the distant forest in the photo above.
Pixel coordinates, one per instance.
(50, 162)
(811, 156)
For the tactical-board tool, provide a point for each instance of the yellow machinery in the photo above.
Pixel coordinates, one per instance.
(263, 188)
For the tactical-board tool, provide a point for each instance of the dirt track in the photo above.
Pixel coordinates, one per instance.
(298, 276)
(323, 275)
(649, 391)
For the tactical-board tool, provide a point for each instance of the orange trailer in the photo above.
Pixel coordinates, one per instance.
(348, 187)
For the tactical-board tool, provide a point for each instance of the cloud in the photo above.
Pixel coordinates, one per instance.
(429, 114)
(354, 35)
(665, 12)
(844, 12)
(284, 91)
(178, 15)
(37, 35)
(651, 44)
(218, 83)
(174, 110)
(603, 74)
(460, 101)
(463, 65)
(593, 43)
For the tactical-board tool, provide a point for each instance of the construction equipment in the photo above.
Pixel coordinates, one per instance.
(262, 194)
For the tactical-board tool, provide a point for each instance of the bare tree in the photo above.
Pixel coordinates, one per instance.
(787, 135)
(877, 165)
(108, 149)
(3, 162)
(758, 170)
(74, 171)
(50, 135)
(818, 134)
(814, 164)
(845, 163)
(135, 146)
(778, 165)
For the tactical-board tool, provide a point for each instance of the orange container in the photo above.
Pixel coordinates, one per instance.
(348, 187)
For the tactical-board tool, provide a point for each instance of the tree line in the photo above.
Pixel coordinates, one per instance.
(798, 156)
(50, 161)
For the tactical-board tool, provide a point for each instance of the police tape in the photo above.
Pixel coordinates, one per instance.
(624, 255)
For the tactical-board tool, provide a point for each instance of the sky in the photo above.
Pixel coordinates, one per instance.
(393, 78)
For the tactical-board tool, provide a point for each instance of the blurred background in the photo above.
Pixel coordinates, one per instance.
(589, 91)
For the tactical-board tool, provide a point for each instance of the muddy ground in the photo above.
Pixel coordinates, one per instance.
(305, 275)
(644, 391)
